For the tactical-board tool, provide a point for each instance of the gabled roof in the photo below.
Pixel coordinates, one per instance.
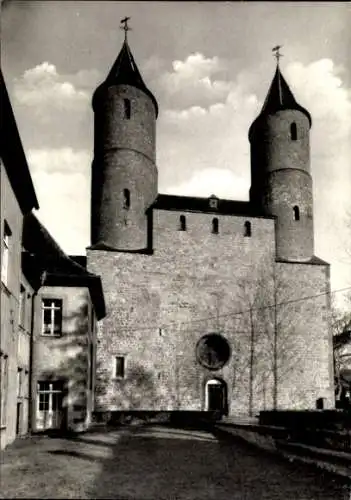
(125, 72)
(196, 204)
(45, 263)
(279, 98)
(12, 154)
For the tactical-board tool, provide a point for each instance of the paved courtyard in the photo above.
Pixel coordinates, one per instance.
(156, 463)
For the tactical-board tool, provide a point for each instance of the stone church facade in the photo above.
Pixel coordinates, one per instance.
(211, 304)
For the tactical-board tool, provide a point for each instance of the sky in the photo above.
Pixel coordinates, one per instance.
(209, 65)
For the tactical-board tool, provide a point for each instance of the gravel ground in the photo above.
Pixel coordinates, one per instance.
(157, 463)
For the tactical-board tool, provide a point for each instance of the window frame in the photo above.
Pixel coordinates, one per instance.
(22, 306)
(215, 225)
(4, 372)
(115, 375)
(52, 308)
(50, 393)
(5, 258)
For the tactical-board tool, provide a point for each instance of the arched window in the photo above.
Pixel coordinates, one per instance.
(126, 199)
(296, 212)
(247, 230)
(182, 223)
(293, 131)
(127, 108)
(215, 225)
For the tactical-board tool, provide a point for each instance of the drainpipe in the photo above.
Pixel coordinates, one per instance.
(31, 349)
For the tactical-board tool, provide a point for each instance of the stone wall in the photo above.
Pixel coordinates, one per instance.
(195, 283)
(11, 213)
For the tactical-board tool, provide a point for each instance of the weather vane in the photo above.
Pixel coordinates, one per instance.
(277, 54)
(125, 26)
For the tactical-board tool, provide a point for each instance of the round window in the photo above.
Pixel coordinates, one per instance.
(212, 351)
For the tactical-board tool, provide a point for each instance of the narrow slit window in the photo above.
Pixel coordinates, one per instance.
(296, 213)
(215, 225)
(247, 229)
(182, 223)
(127, 108)
(126, 199)
(293, 132)
(120, 367)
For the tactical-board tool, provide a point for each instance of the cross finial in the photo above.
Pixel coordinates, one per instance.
(125, 26)
(277, 54)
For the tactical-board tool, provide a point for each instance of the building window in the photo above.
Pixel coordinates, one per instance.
(126, 199)
(19, 382)
(22, 306)
(182, 223)
(293, 131)
(52, 316)
(119, 367)
(50, 395)
(127, 108)
(213, 202)
(296, 213)
(91, 384)
(4, 383)
(247, 230)
(6, 237)
(215, 225)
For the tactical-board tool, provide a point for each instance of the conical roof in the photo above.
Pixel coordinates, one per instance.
(279, 97)
(125, 72)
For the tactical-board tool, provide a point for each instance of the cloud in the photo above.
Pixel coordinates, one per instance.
(62, 182)
(62, 160)
(42, 85)
(211, 132)
(193, 81)
(54, 109)
(220, 182)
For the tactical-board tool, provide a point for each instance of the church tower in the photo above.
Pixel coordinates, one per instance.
(281, 182)
(124, 173)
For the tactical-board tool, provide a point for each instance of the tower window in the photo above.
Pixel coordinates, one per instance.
(215, 225)
(126, 199)
(119, 367)
(247, 230)
(127, 108)
(182, 223)
(293, 131)
(296, 212)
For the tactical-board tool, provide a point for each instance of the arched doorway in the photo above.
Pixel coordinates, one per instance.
(216, 396)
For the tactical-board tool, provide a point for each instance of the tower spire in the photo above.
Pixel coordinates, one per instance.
(278, 55)
(125, 27)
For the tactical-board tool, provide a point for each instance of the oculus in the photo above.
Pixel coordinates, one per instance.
(212, 351)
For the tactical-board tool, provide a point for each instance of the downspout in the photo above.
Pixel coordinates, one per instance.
(31, 349)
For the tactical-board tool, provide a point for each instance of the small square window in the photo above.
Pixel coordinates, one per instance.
(213, 202)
